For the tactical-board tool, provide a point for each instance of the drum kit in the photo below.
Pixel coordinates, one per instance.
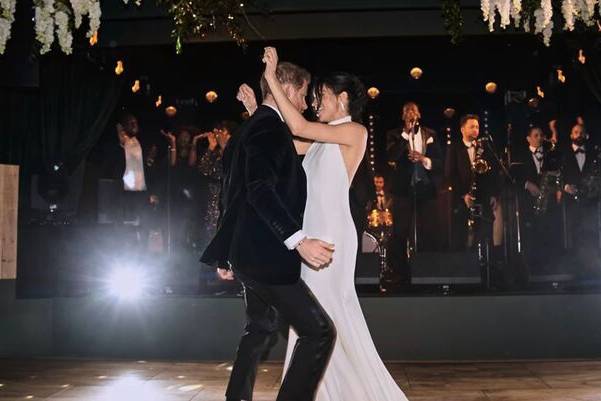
(376, 239)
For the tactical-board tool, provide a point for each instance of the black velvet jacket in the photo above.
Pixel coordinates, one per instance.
(264, 195)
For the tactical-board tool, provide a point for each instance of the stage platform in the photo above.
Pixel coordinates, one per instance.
(409, 328)
(88, 380)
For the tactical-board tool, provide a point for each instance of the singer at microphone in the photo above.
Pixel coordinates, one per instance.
(416, 160)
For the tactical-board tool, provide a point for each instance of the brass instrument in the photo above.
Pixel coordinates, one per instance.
(379, 218)
(550, 183)
(480, 166)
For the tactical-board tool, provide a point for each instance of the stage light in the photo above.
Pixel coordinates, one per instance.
(540, 92)
(449, 112)
(126, 283)
(560, 77)
(581, 56)
(171, 111)
(490, 87)
(416, 73)
(119, 68)
(211, 96)
(533, 103)
(94, 39)
(159, 101)
(136, 86)
(373, 92)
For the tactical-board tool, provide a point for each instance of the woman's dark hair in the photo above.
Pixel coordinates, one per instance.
(229, 126)
(340, 82)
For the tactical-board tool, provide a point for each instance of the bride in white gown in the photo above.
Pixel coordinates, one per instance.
(355, 371)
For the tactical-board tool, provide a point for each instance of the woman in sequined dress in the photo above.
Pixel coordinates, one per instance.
(210, 165)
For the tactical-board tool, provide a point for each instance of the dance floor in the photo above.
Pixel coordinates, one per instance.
(191, 381)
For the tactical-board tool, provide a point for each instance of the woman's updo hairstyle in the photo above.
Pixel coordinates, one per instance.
(339, 82)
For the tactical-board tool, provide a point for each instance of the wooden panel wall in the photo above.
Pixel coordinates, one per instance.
(9, 200)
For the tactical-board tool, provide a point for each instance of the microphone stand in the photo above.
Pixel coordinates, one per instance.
(414, 130)
(498, 159)
(505, 171)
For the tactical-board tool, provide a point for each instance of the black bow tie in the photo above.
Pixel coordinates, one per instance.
(538, 154)
(579, 150)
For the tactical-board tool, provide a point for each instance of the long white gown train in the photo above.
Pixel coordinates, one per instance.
(355, 371)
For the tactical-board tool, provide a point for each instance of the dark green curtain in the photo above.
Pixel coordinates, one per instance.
(19, 125)
(61, 120)
(591, 73)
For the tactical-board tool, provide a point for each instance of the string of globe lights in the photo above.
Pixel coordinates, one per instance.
(170, 110)
(373, 92)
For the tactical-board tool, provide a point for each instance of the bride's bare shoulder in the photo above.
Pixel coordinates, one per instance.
(358, 130)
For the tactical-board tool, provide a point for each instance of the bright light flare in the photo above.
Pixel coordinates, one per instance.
(127, 283)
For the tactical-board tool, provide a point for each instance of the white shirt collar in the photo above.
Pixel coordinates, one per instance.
(274, 109)
(468, 144)
(574, 147)
(533, 149)
(405, 135)
(341, 120)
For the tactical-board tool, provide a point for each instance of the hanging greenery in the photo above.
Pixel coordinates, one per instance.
(198, 18)
(453, 19)
(56, 20)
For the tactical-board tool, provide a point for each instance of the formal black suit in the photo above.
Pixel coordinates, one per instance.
(412, 196)
(541, 234)
(570, 170)
(459, 175)
(264, 196)
(581, 212)
(397, 149)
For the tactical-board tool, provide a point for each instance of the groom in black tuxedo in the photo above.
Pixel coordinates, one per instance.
(260, 237)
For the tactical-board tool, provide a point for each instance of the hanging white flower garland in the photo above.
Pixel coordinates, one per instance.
(54, 19)
(60, 18)
(571, 10)
(7, 17)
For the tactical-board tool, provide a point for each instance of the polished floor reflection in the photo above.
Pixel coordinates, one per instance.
(77, 380)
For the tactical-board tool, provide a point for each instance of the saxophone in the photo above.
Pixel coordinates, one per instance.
(480, 166)
(550, 182)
